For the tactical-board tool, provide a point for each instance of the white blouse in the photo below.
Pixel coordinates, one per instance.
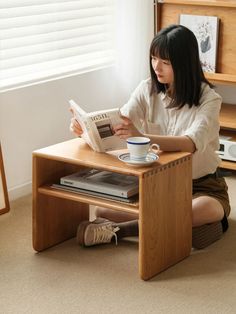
(151, 116)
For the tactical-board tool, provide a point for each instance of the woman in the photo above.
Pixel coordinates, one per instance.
(178, 109)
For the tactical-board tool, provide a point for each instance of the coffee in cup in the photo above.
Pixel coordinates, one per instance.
(140, 146)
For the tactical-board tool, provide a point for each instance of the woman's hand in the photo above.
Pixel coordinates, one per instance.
(126, 129)
(74, 125)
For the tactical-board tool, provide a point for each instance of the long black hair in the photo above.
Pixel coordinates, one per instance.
(178, 44)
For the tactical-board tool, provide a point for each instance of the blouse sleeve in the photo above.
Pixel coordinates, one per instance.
(136, 107)
(205, 127)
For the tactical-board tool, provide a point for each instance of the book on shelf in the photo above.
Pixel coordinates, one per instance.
(98, 126)
(131, 199)
(104, 182)
(206, 30)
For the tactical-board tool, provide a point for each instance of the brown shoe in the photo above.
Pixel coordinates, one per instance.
(96, 232)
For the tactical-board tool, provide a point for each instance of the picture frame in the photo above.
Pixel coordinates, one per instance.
(4, 200)
(206, 30)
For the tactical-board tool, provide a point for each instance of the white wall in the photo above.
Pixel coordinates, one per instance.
(37, 116)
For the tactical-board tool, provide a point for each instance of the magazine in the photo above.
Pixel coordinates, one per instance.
(132, 199)
(105, 182)
(98, 126)
(206, 29)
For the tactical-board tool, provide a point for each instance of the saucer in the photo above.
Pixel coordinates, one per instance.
(150, 158)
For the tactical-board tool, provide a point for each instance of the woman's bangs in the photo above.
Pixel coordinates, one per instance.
(160, 49)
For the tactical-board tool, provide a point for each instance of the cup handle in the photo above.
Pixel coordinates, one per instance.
(155, 148)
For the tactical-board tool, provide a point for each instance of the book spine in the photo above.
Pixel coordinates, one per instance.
(94, 187)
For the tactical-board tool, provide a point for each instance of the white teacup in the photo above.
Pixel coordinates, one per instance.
(140, 146)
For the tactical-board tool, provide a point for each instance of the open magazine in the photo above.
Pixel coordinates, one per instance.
(98, 126)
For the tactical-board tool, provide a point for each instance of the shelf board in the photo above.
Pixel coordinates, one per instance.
(92, 200)
(216, 3)
(228, 116)
(228, 165)
(220, 78)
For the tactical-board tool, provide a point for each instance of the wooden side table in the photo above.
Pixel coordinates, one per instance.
(164, 206)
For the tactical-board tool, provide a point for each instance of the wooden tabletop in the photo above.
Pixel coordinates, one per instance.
(76, 151)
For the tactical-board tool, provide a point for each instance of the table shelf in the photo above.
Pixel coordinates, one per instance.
(88, 199)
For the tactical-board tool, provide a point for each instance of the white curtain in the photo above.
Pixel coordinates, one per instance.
(47, 39)
(135, 30)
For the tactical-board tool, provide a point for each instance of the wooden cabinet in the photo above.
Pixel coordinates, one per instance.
(168, 11)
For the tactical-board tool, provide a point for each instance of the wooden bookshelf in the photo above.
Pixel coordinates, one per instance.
(216, 3)
(228, 128)
(221, 78)
(228, 117)
(168, 11)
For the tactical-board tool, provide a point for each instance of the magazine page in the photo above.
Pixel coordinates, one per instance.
(84, 121)
(103, 123)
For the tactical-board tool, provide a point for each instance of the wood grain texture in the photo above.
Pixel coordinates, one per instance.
(165, 217)
(228, 128)
(228, 116)
(54, 219)
(164, 201)
(215, 3)
(169, 11)
(4, 200)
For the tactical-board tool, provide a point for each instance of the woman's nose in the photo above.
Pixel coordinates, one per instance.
(156, 65)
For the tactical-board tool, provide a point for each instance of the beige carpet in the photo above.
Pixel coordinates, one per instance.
(69, 279)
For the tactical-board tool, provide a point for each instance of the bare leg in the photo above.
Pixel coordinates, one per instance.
(127, 229)
(207, 218)
(114, 215)
(206, 210)
(127, 222)
(207, 221)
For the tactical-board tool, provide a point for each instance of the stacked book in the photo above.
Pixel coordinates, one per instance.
(100, 183)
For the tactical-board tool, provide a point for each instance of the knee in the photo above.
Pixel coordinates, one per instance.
(206, 210)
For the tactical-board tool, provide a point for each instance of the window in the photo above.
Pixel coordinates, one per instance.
(47, 39)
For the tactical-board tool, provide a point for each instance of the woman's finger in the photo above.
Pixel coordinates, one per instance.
(75, 127)
(126, 120)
